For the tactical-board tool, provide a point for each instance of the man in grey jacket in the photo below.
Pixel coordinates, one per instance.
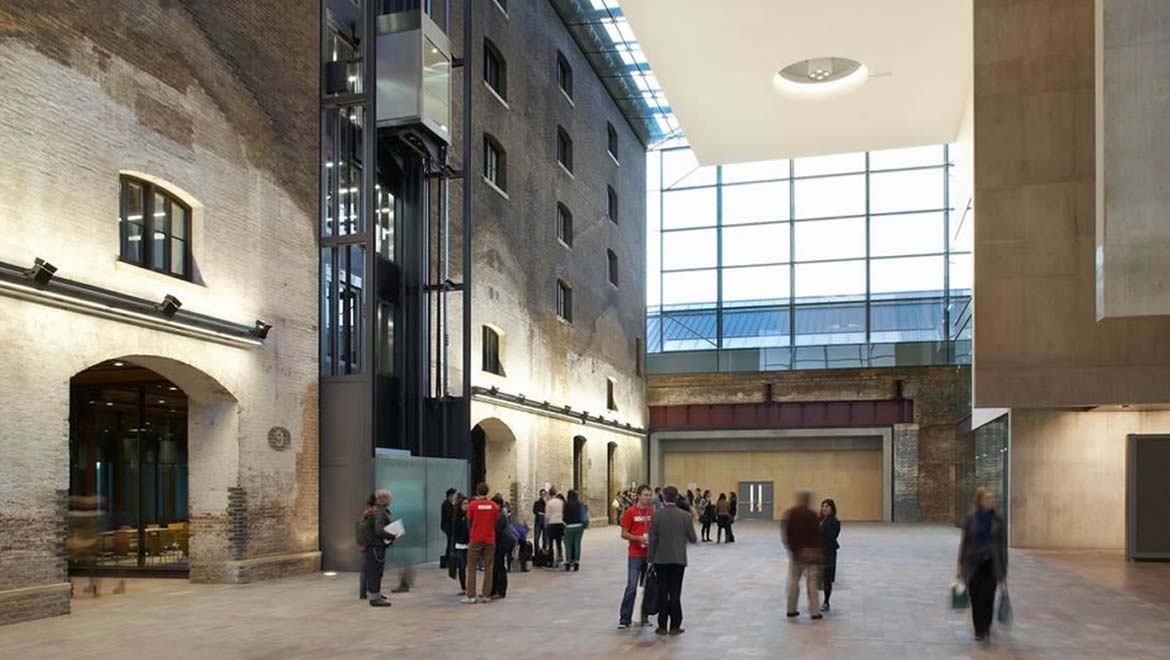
(671, 529)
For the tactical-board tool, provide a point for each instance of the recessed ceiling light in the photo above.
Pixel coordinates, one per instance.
(119, 364)
(820, 77)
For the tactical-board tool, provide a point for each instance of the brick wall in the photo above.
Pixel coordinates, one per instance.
(941, 397)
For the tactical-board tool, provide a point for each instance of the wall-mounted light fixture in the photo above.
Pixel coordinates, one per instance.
(41, 271)
(260, 330)
(168, 306)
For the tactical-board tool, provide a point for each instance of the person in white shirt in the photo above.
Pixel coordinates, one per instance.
(554, 520)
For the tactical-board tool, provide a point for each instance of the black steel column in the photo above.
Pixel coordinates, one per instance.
(468, 167)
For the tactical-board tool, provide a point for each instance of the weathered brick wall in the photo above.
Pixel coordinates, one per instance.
(517, 257)
(219, 100)
(941, 397)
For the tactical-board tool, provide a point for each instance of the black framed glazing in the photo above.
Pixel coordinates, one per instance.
(611, 197)
(491, 352)
(154, 228)
(495, 69)
(564, 301)
(612, 262)
(564, 75)
(564, 224)
(564, 148)
(494, 162)
(611, 140)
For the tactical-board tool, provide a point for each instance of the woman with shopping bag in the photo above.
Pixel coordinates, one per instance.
(983, 561)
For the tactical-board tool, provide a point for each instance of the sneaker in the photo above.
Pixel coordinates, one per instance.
(818, 616)
(677, 631)
(468, 600)
(623, 626)
(825, 607)
(793, 614)
(400, 589)
(576, 567)
(660, 631)
(379, 602)
(568, 567)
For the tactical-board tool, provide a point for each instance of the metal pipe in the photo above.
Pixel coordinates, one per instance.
(467, 177)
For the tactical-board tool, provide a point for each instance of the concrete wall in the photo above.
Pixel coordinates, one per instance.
(1037, 339)
(941, 395)
(518, 259)
(1132, 93)
(1068, 476)
(219, 102)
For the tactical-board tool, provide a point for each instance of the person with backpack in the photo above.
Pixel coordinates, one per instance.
(576, 518)
(505, 543)
(374, 540)
(482, 515)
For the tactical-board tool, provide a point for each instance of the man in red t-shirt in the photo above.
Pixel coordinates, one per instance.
(482, 515)
(635, 529)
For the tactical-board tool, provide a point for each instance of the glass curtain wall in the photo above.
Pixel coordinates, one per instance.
(832, 261)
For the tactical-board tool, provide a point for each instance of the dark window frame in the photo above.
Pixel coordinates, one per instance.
(611, 198)
(564, 224)
(564, 148)
(148, 224)
(610, 396)
(612, 261)
(495, 162)
(495, 69)
(564, 301)
(611, 137)
(564, 76)
(491, 358)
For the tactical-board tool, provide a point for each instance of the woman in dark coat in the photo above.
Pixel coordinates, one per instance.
(983, 559)
(830, 529)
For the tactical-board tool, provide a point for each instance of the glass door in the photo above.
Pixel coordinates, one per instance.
(755, 500)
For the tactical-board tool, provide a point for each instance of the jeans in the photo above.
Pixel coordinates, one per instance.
(372, 568)
(573, 544)
(981, 587)
(670, 579)
(460, 559)
(811, 572)
(724, 522)
(635, 569)
(500, 574)
(486, 552)
(537, 533)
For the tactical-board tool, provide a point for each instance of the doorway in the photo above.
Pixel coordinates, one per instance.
(127, 471)
(611, 485)
(1147, 497)
(579, 465)
(755, 500)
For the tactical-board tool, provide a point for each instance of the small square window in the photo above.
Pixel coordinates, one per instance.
(564, 224)
(564, 149)
(612, 200)
(611, 140)
(564, 75)
(564, 301)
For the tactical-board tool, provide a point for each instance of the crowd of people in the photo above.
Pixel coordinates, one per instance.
(657, 524)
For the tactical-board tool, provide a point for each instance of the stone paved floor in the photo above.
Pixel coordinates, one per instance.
(889, 603)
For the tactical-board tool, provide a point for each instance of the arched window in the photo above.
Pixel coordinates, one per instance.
(564, 224)
(613, 267)
(564, 75)
(564, 148)
(495, 69)
(495, 163)
(612, 199)
(155, 228)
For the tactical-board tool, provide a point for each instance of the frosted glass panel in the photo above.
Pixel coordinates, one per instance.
(418, 486)
(831, 196)
(755, 202)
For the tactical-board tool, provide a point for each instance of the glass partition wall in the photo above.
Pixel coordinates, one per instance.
(846, 260)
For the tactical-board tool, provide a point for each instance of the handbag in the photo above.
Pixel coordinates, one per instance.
(650, 599)
(960, 599)
(1004, 614)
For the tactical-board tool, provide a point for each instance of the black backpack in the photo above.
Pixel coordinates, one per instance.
(364, 530)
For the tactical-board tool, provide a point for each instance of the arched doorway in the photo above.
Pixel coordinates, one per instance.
(611, 485)
(128, 476)
(493, 457)
(579, 464)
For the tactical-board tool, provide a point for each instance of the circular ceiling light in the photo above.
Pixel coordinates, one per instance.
(820, 77)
